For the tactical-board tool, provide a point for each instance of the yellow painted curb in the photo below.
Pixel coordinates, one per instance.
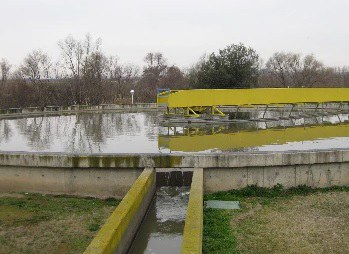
(109, 237)
(192, 236)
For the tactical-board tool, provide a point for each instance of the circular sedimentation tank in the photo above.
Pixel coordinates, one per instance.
(146, 132)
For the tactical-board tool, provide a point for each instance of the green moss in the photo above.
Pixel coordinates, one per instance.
(175, 161)
(93, 162)
(106, 162)
(157, 160)
(167, 161)
(127, 161)
(45, 158)
(75, 161)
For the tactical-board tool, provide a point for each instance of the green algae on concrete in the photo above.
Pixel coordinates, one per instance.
(228, 160)
(119, 230)
(170, 161)
(106, 161)
(75, 160)
(175, 161)
(93, 162)
(127, 161)
(192, 236)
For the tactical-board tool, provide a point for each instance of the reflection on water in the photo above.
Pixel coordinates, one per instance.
(282, 135)
(82, 133)
(162, 228)
(142, 133)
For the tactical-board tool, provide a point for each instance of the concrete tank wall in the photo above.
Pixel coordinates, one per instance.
(58, 110)
(112, 175)
(314, 175)
(91, 182)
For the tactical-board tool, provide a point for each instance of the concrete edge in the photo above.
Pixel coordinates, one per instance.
(225, 160)
(26, 112)
(118, 232)
(193, 228)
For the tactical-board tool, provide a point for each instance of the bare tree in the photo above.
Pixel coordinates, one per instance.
(278, 65)
(95, 66)
(84, 64)
(58, 70)
(113, 69)
(4, 70)
(192, 73)
(313, 71)
(76, 54)
(292, 70)
(174, 78)
(155, 59)
(156, 65)
(36, 66)
(72, 53)
(122, 78)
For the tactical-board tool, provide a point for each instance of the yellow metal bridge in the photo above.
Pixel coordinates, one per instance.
(198, 101)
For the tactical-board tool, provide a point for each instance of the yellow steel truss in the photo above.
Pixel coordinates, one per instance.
(197, 100)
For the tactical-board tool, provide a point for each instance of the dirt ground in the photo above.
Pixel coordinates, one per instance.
(34, 223)
(316, 223)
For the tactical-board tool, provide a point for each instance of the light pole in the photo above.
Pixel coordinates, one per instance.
(132, 92)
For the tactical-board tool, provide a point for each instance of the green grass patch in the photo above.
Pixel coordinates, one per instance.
(93, 227)
(33, 208)
(276, 191)
(218, 237)
(223, 228)
(36, 223)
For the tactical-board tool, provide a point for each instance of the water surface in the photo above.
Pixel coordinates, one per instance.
(162, 228)
(143, 133)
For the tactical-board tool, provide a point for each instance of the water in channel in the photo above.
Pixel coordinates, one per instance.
(143, 133)
(162, 228)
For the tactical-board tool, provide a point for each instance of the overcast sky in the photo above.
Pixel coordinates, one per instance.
(182, 30)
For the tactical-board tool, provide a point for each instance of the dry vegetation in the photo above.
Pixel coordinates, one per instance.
(300, 220)
(50, 224)
(318, 223)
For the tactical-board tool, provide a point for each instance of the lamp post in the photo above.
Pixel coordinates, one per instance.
(132, 92)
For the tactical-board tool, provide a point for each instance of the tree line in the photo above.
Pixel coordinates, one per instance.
(84, 74)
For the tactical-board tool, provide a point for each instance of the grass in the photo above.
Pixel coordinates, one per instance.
(218, 237)
(36, 223)
(278, 220)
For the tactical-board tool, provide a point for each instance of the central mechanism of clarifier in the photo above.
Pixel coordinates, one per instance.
(194, 103)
